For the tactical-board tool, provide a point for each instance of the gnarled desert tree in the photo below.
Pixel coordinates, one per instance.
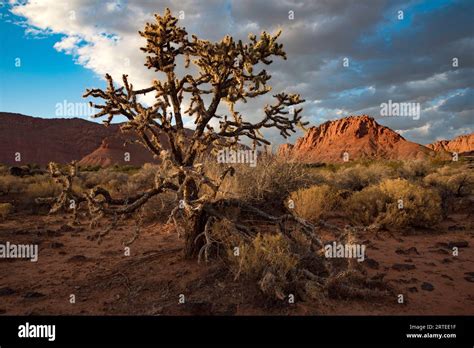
(227, 71)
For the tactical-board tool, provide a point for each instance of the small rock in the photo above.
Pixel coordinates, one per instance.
(413, 289)
(371, 263)
(440, 251)
(6, 291)
(470, 277)
(455, 227)
(409, 251)
(446, 276)
(33, 294)
(427, 286)
(55, 245)
(458, 244)
(446, 260)
(403, 266)
(66, 228)
(379, 276)
(77, 258)
(442, 245)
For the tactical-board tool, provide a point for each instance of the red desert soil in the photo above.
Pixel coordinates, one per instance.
(106, 282)
(359, 136)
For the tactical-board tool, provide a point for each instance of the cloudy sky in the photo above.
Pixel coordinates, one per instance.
(344, 57)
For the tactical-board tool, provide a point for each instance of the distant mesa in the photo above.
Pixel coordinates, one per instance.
(115, 149)
(463, 144)
(40, 141)
(354, 138)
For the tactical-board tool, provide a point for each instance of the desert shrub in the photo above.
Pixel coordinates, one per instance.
(5, 210)
(366, 206)
(266, 259)
(11, 184)
(415, 169)
(266, 253)
(4, 170)
(421, 207)
(44, 187)
(108, 178)
(269, 180)
(143, 179)
(452, 184)
(452, 180)
(30, 187)
(94, 168)
(353, 176)
(126, 168)
(357, 177)
(315, 202)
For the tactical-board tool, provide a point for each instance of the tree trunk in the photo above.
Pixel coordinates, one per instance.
(197, 225)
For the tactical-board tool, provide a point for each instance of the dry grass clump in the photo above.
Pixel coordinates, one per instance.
(395, 204)
(365, 207)
(357, 177)
(267, 258)
(5, 210)
(10, 184)
(454, 184)
(453, 181)
(315, 202)
(107, 178)
(4, 170)
(30, 187)
(415, 169)
(270, 180)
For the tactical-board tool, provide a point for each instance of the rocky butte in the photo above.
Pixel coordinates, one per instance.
(360, 137)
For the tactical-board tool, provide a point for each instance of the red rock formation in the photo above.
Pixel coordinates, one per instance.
(359, 136)
(460, 144)
(41, 141)
(116, 150)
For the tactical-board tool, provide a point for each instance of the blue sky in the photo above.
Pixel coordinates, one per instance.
(45, 76)
(67, 47)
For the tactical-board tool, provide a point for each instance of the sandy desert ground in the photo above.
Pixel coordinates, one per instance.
(150, 280)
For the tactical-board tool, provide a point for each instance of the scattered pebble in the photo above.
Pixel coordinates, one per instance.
(403, 266)
(427, 286)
